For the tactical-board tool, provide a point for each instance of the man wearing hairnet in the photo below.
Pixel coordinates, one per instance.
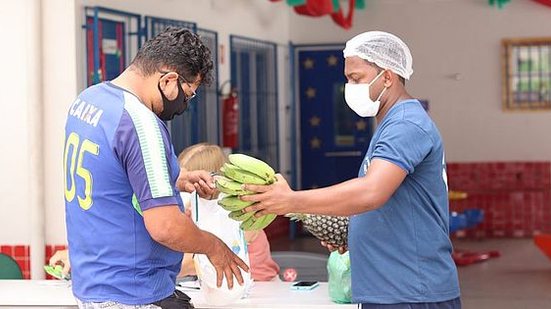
(398, 206)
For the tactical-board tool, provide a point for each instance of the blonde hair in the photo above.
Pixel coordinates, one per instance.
(203, 156)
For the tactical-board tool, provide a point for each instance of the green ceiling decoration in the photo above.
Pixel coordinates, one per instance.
(500, 3)
(296, 2)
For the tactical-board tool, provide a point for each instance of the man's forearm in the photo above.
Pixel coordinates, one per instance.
(356, 195)
(344, 199)
(173, 229)
(190, 239)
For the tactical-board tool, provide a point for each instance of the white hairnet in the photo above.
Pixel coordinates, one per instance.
(384, 49)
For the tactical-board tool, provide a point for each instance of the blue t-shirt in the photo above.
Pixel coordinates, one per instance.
(117, 155)
(401, 252)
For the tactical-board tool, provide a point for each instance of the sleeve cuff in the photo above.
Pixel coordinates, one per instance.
(160, 201)
(395, 162)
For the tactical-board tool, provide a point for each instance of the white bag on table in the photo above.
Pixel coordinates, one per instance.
(210, 217)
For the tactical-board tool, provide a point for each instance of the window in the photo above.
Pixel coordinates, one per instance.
(254, 75)
(527, 74)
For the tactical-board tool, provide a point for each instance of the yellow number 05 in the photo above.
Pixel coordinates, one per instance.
(72, 145)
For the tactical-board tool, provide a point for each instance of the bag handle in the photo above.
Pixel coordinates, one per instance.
(196, 206)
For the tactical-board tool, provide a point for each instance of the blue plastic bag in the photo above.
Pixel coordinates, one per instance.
(340, 282)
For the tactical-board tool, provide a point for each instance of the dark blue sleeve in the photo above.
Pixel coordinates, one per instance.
(403, 143)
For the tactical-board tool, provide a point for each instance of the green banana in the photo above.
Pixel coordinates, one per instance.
(239, 215)
(253, 165)
(267, 220)
(240, 175)
(246, 224)
(230, 187)
(232, 203)
(244, 169)
(259, 223)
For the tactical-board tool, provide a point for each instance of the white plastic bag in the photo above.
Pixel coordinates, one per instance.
(208, 216)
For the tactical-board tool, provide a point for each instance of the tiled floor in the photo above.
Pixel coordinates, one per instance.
(519, 279)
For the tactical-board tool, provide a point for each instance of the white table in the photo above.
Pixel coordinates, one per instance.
(36, 294)
(57, 294)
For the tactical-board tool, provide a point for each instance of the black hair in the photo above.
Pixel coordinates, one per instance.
(179, 50)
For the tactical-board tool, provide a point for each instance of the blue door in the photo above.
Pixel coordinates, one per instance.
(333, 139)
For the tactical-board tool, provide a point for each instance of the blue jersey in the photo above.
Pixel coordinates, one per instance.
(401, 252)
(117, 156)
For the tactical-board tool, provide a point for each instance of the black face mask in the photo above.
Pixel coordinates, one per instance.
(174, 107)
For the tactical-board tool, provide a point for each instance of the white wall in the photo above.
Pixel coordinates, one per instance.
(14, 122)
(38, 84)
(457, 36)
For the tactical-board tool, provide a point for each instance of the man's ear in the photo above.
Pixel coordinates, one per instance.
(389, 78)
(167, 78)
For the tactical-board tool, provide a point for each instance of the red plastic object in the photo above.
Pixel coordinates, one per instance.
(544, 2)
(543, 242)
(464, 258)
(230, 120)
(315, 8)
(345, 21)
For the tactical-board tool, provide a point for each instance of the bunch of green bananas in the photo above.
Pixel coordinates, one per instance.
(244, 169)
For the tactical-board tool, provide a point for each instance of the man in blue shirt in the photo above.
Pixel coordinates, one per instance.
(398, 206)
(125, 225)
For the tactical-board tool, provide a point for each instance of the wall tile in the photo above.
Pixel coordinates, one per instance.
(515, 196)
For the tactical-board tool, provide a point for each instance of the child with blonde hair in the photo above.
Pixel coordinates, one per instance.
(211, 158)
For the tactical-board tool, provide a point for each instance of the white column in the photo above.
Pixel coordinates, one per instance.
(60, 54)
(35, 137)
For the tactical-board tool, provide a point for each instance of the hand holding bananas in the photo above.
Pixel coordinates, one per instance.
(274, 196)
(200, 181)
(253, 188)
(278, 198)
(244, 169)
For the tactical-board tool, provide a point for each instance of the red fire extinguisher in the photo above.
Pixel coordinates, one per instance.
(230, 120)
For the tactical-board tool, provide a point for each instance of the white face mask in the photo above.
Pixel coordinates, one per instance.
(358, 98)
